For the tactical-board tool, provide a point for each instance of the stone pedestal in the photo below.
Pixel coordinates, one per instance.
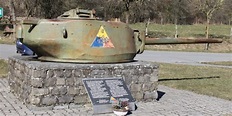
(48, 84)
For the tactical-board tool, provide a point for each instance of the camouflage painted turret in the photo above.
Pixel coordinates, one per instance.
(78, 36)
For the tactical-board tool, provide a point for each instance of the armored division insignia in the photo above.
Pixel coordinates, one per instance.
(102, 39)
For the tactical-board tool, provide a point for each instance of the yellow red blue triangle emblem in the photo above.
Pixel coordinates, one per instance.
(102, 39)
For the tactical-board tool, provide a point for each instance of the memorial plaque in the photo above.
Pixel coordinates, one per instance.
(101, 89)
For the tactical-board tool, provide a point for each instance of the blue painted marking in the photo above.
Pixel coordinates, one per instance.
(98, 42)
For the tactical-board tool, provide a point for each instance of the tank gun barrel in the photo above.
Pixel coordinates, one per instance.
(160, 41)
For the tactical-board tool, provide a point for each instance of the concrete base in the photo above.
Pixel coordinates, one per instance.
(51, 84)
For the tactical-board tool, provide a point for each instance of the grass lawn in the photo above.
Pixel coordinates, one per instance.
(225, 63)
(199, 79)
(3, 68)
(198, 30)
(6, 39)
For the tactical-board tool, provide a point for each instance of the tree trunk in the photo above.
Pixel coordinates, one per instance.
(105, 15)
(207, 30)
(12, 10)
(230, 20)
(176, 28)
(231, 33)
(207, 33)
(12, 15)
(127, 16)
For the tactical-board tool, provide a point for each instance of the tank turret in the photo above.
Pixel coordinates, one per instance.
(78, 36)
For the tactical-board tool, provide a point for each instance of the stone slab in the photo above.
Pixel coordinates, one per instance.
(100, 90)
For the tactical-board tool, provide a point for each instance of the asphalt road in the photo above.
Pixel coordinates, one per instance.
(193, 58)
(7, 51)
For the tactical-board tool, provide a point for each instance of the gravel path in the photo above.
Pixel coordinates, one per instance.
(171, 102)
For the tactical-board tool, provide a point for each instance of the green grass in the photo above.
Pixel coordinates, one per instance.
(3, 68)
(225, 63)
(6, 40)
(198, 30)
(199, 79)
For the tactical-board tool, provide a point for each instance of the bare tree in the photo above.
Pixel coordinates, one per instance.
(207, 7)
(160, 11)
(12, 10)
(5, 5)
(227, 10)
(12, 15)
(127, 9)
(30, 7)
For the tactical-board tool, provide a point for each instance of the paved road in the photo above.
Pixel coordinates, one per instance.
(183, 57)
(172, 102)
(193, 58)
(7, 51)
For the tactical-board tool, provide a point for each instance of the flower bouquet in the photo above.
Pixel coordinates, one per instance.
(120, 108)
